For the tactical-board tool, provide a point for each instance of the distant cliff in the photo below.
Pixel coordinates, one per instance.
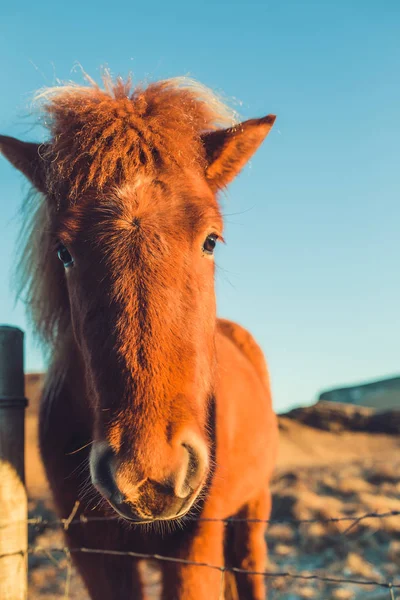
(381, 395)
(337, 417)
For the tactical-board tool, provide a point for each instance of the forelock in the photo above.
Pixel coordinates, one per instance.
(102, 137)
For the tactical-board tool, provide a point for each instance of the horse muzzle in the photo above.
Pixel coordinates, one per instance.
(149, 500)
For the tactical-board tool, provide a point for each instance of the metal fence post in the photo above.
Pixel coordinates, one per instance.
(13, 498)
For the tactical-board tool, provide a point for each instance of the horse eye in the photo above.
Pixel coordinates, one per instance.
(65, 256)
(210, 243)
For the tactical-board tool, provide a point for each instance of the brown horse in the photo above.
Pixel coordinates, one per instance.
(153, 407)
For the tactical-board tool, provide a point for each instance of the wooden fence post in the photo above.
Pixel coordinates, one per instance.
(13, 499)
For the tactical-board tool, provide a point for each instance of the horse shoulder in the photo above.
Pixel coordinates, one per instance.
(246, 425)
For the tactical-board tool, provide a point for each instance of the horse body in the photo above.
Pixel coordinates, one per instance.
(154, 409)
(245, 456)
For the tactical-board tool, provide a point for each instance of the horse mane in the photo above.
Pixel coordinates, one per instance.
(100, 138)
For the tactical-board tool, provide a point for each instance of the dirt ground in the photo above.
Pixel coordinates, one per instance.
(321, 475)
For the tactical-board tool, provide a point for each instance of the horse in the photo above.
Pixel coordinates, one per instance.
(156, 422)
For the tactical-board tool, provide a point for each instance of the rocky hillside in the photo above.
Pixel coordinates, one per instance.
(337, 416)
(382, 394)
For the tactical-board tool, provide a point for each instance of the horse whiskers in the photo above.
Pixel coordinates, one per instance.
(80, 468)
(87, 493)
(79, 449)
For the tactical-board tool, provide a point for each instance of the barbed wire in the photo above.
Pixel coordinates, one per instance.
(82, 519)
(186, 562)
(49, 552)
(72, 520)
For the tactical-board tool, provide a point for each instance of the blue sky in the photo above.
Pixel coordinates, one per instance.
(311, 264)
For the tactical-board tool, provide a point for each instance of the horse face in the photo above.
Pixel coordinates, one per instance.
(139, 267)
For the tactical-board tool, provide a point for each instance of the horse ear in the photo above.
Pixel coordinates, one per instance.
(228, 150)
(26, 157)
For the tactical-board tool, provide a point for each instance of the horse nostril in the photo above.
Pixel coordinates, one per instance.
(193, 472)
(102, 472)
